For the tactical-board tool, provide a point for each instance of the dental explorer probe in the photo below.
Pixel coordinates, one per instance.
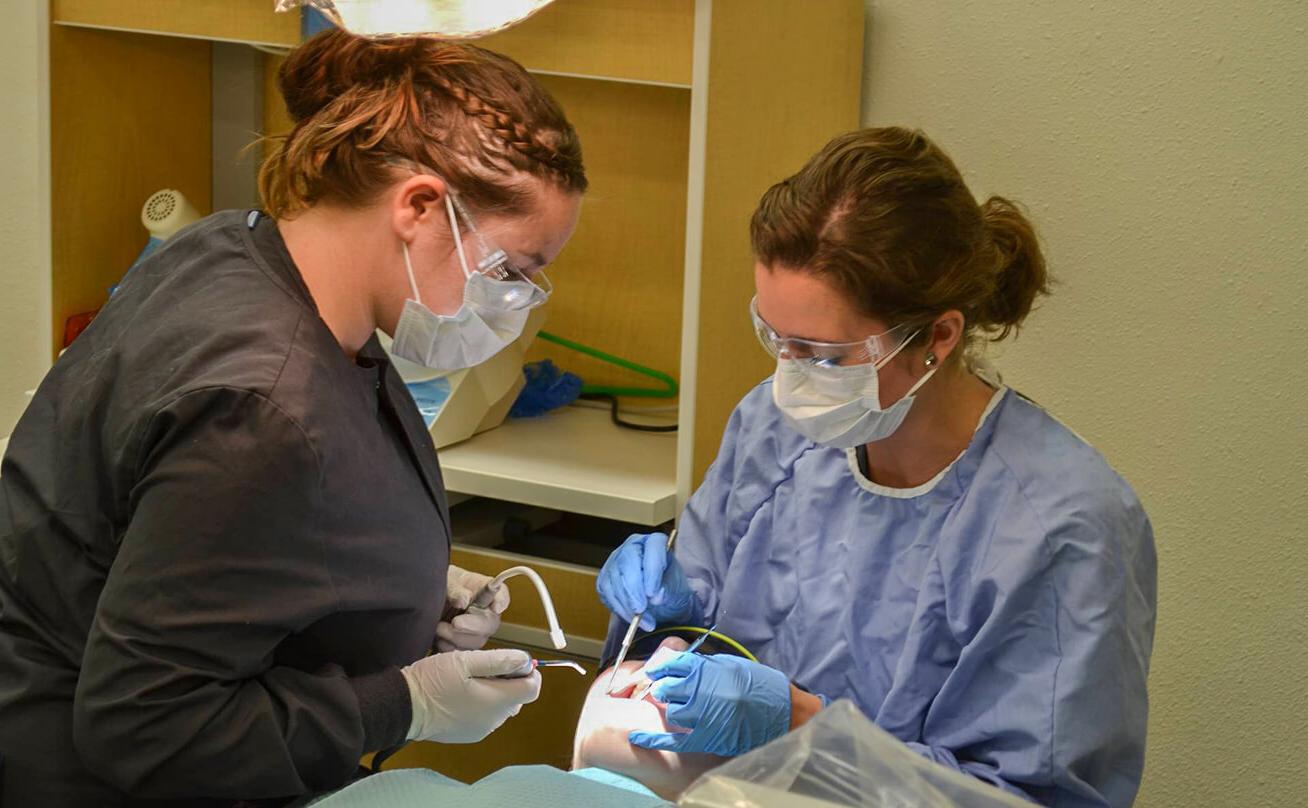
(543, 663)
(631, 631)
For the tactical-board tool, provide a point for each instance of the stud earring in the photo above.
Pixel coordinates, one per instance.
(930, 359)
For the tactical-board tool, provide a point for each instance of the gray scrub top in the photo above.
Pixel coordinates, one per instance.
(219, 537)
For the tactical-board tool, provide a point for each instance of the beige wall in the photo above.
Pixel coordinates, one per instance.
(24, 200)
(1161, 149)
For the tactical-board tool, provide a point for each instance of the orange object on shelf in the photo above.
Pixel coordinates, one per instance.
(77, 324)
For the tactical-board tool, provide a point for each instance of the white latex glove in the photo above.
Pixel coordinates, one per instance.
(456, 698)
(473, 626)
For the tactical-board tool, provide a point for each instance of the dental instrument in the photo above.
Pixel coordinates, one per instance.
(544, 663)
(631, 630)
(558, 663)
(697, 643)
(640, 691)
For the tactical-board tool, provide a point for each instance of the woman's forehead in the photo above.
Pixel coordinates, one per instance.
(802, 305)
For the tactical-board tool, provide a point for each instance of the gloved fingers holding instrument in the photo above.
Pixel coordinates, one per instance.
(463, 696)
(730, 704)
(468, 624)
(642, 577)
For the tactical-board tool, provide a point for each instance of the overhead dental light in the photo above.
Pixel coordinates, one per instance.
(448, 19)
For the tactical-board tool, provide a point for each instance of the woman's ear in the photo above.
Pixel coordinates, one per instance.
(416, 203)
(946, 335)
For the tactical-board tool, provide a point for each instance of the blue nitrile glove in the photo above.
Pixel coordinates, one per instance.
(640, 576)
(729, 704)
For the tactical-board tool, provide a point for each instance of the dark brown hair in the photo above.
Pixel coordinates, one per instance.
(362, 106)
(885, 216)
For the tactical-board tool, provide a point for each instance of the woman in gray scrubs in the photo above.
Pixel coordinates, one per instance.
(224, 538)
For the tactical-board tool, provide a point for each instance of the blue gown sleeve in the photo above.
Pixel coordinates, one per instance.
(1051, 625)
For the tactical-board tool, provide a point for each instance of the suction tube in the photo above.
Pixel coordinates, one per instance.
(487, 594)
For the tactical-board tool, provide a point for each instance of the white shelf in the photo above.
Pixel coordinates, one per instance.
(574, 459)
(283, 47)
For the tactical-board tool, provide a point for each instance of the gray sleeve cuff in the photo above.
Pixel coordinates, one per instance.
(385, 708)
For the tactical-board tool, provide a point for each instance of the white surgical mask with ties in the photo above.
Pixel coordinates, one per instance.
(839, 405)
(496, 302)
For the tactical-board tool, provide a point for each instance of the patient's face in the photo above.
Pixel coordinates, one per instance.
(601, 738)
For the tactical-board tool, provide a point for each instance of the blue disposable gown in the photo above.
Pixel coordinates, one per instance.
(998, 619)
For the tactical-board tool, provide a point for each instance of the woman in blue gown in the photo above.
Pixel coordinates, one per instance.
(887, 522)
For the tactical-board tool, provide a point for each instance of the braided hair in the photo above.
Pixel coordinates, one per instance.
(359, 105)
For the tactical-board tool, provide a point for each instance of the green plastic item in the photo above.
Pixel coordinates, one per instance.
(668, 390)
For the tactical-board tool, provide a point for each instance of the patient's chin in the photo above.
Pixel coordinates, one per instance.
(667, 774)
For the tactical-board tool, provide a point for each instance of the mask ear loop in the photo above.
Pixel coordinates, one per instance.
(458, 245)
(918, 384)
(408, 264)
(925, 377)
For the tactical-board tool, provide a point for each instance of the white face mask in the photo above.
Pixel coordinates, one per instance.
(839, 406)
(492, 315)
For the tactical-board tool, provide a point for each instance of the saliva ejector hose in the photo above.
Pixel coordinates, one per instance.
(487, 594)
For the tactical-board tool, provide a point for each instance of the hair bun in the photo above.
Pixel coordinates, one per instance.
(1021, 273)
(335, 61)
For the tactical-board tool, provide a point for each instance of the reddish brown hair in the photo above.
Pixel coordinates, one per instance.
(362, 106)
(885, 216)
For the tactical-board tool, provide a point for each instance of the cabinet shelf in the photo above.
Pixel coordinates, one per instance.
(574, 459)
(252, 21)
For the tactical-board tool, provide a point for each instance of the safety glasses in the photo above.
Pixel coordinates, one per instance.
(517, 289)
(520, 289)
(808, 353)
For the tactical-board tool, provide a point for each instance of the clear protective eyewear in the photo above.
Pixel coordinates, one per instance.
(518, 288)
(809, 353)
